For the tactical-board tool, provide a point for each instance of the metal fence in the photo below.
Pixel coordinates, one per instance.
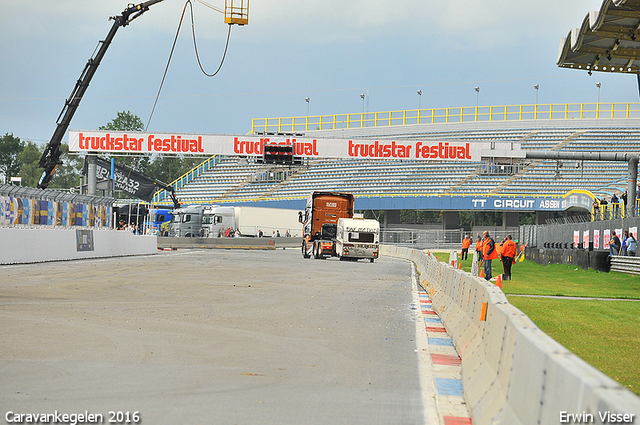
(28, 207)
(439, 238)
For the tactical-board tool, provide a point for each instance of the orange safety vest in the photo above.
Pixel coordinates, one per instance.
(479, 246)
(485, 250)
(509, 249)
(466, 243)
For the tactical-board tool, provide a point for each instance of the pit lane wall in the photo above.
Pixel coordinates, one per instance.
(31, 245)
(512, 372)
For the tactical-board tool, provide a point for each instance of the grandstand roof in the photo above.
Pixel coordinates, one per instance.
(608, 40)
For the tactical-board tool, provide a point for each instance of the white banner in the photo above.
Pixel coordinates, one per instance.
(211, 144)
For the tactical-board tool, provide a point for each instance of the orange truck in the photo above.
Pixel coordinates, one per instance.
(320, 221)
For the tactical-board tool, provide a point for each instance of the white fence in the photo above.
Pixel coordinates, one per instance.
(513, 373)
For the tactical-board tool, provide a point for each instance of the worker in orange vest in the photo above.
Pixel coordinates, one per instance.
(489, 253)
(466, 243)
(508, 256)
(479, 248)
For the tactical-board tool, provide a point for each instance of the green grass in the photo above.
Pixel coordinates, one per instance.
(603, 333)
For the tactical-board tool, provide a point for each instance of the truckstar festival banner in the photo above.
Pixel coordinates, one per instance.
(193, 144)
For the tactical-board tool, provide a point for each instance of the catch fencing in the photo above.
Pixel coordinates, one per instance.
(25, 207)
(439, 239)
(512, 372)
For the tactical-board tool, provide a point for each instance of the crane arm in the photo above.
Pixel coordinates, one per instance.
(50, 159)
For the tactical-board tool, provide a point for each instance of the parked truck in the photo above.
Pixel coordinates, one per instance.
(320, 221)
(250, 221)
(212, 221)
(357, 238)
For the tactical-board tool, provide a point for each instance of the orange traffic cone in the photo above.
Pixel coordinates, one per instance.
(499, 281)
(460, 266)
(481, 272)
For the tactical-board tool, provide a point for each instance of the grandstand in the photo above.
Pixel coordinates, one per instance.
(237, 179)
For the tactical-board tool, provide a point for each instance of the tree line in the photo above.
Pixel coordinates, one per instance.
(20, 158)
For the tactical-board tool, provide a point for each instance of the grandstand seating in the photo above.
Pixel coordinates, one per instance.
(235, 179)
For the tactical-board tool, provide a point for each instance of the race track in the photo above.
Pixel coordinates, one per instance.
(215, 337)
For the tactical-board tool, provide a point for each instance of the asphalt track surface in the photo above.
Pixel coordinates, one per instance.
(212, 337)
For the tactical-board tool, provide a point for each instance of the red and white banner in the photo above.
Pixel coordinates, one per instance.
(208, 144)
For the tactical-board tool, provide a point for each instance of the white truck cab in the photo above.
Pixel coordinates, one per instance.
(357, 238)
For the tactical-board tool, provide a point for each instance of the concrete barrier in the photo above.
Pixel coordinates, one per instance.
(38, 245)
(512, 372)
(229, 243)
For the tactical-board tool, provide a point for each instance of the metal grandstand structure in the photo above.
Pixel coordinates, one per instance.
(608, 40)
(413, 184)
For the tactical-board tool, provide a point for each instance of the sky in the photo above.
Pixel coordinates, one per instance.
(327, 50)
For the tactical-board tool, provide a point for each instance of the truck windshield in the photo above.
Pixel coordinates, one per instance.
(362, 237)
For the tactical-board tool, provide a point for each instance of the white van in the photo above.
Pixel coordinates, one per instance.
(357, 238)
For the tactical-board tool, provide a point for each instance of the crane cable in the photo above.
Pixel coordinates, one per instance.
(175, 40)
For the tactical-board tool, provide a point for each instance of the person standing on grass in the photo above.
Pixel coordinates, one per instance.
(466, 243)
(508, 255)
(479, 248)
(489, 253)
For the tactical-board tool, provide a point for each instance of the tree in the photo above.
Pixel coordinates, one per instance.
(126, 121)
(30, 170)
(67, 174)
(10, 148)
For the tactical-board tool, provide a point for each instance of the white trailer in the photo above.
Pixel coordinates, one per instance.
(249, 221)
(357, 238)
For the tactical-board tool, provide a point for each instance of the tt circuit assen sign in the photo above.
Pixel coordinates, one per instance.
(195, 144)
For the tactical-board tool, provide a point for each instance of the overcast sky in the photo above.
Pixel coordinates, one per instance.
(328, 50)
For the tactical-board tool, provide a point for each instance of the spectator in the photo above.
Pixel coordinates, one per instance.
(615, 206)
(632, 245)
(596, 209)
(624, 243)
(277, 233)
(508, 255)
(287, 234)
(260, 234)
(624, 197)
(466, 243)
(236, 233)
(614, 244)
(603, 204)
(489, 253)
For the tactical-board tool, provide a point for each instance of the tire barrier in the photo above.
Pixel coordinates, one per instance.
(512, 372)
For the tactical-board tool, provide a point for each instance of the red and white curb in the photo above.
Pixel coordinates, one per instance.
(440, 366)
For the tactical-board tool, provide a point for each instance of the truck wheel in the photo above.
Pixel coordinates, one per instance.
(304, 250)
(371, 259)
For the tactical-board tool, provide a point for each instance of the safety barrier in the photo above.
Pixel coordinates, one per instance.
(630, 265)
(34, 245)
(28, 208)
(513, 373)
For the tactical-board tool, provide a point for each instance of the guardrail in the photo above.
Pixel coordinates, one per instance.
(512, 372)
(556, 111)
(630, 265)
